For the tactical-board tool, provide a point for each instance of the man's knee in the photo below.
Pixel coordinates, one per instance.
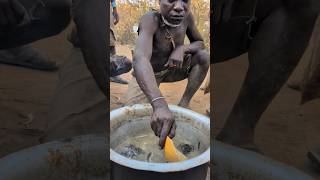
(203, 58)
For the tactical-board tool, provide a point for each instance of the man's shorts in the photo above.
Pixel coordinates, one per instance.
(135, 95)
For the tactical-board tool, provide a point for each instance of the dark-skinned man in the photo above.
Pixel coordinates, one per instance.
(160, 56)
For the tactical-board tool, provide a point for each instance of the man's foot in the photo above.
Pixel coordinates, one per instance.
(314, 157)
(118, 79)
(27, 56)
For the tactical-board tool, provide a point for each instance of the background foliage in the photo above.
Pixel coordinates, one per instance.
(130, 12)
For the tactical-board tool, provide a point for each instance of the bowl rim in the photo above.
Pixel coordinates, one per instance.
(203, 158)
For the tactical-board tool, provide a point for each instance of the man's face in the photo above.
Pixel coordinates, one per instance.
(174, 11)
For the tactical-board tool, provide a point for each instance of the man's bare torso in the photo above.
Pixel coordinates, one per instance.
(162, 45)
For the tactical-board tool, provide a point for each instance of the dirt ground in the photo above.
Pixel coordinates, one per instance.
(25, 96)
(286, 130)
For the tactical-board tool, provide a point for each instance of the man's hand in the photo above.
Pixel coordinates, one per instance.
(12, 14)
(176, 58)
(116, 16)
(163, 124)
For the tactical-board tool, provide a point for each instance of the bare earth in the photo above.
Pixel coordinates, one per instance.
(24, 98)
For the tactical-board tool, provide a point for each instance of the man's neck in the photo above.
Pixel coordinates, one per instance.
(169, 24)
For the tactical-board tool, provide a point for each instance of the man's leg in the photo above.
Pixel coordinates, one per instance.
(200, 62)
(273, 55)
(47, 18)
(93, 38)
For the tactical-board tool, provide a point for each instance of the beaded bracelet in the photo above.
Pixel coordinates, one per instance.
(153, 100)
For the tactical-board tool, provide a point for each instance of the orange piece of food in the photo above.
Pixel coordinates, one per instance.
(171, 154)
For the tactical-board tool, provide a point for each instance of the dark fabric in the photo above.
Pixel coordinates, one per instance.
(43, 18)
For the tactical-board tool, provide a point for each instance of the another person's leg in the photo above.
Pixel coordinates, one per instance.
(271, 61)
(93, 38)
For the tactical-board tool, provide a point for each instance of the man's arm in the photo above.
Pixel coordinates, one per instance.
(196, 44)
(196, 41)
(141, 60)
(162, 121)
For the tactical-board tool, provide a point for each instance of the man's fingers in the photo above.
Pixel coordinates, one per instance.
(154, 127)
(159, 128)
(178, 64)
(173, 130)
(167, 64)
(164, 133)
